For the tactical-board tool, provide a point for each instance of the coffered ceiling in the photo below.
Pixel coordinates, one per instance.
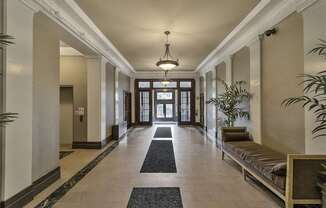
(136, 27)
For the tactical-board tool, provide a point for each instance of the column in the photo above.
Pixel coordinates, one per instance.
(17, 140)
(228, 63)
(255, 89)
(96, 99)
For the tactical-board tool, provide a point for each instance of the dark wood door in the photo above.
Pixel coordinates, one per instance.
(202, 106)
(127, 108)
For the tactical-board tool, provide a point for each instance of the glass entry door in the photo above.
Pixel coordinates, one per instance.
(164, 106)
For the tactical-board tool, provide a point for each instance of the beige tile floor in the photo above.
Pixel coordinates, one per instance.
(205, 181)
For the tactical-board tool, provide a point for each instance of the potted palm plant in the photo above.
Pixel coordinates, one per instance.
(314, 100)
(6, 118)
(229, 102)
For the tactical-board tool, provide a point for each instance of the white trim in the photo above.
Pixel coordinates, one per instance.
(74, 6)
(68, 15)
(266, 15)
(236, 30)
(304, 4)
(69, 51)
(30, 4)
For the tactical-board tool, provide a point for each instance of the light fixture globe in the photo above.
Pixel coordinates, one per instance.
(167, 63)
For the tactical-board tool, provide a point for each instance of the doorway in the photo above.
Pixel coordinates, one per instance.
(165, 105)
(66, 116)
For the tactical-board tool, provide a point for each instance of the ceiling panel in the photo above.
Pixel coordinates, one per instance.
(136, 27)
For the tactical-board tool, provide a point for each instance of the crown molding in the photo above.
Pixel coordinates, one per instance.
(264, 16)
(304, 4)
(261, 5)
(71, 17)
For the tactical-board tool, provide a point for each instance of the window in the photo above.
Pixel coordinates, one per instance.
(185, 84)
(144, 109)
(144, 84)
(185, 106)
(164, 96)
(162, 85)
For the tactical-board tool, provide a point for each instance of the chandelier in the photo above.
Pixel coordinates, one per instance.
(166, 62)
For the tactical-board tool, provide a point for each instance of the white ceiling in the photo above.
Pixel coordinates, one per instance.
(136, 27)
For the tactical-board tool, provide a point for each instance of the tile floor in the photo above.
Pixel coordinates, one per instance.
(205, 181)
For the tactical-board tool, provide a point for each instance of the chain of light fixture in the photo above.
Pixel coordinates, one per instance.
(166, 62)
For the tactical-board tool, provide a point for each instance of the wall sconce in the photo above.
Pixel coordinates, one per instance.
(270, 32)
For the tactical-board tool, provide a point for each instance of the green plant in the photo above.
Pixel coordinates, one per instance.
(314, 98)
(6, 118)
(229, 103)
(6, 39)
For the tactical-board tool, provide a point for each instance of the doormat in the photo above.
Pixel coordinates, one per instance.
(163, 132)
(159, 158)
(155, 198)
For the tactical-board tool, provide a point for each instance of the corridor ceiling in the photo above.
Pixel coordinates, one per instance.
(136, 27)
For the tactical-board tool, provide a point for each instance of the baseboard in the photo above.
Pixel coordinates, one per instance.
(91, 145)
(42, 183)
(20, 199)
(25, 196)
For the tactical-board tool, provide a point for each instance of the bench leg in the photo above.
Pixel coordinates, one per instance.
(223, 155)
(289, 204)
(244, 174)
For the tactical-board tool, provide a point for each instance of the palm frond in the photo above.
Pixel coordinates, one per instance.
(6, 39)
(7, 118)
(229, 102)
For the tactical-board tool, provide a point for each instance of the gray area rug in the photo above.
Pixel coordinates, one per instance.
(159, 158)
(163, 132)
(155, 198)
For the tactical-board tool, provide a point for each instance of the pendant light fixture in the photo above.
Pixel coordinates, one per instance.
(165, 82)
(166, 62)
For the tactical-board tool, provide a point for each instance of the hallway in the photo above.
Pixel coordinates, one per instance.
(204, 180)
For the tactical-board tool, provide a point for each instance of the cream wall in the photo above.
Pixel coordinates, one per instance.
(241, 72)
(46, 109)
(18, 90)
(314, 29)
(282, 61)
(73, 73)
(110, 101)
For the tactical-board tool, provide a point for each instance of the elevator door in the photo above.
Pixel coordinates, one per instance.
(66, 115)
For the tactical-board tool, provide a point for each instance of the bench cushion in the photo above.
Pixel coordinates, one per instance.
(259, 159)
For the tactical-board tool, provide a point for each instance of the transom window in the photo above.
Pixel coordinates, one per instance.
(164, 96)
(162, 85)
(144, 84)
(185, 84)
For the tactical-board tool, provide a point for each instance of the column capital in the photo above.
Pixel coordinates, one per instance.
(31, 5)
(253, 42)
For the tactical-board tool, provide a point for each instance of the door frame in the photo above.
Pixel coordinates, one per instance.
(164, 102)
(177, 89)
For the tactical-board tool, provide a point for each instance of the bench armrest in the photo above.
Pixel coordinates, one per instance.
(302, 177)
